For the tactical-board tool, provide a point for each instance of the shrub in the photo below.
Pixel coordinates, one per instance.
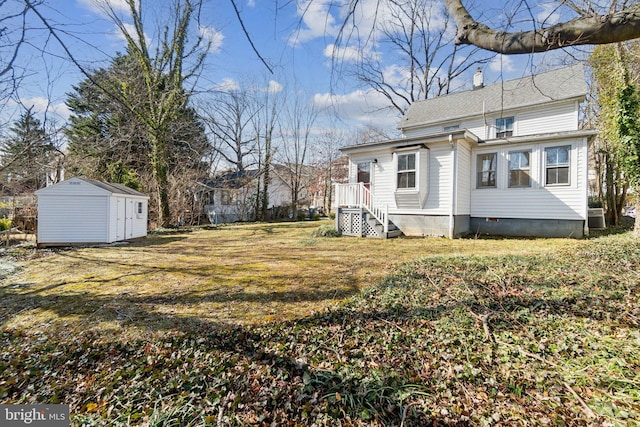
(327, 230)
(5, 224)
(332, 215)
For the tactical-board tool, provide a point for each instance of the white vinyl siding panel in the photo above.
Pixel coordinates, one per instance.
(430, 130)
(439, 198)
(70, 220)
(463, 202)
(558, 118)
(384, 179)
(538, 201)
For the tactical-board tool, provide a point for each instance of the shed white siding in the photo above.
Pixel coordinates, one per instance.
(86, 211)
(62, 219)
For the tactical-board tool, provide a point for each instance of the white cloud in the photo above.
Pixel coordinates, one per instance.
(274, 87)
(349, 53)
(549, 14)
(227, 84)
(502, 63)
(251, 3)
(317, 21)
(213, 36)
(98, 6)
(42, 105)
(360, 106)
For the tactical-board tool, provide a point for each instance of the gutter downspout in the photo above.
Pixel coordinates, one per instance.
(454, 185)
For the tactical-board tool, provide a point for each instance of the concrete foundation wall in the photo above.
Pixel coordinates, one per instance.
(430, 225)
(527, 227)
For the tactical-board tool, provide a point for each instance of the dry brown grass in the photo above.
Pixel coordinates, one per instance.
(240, 274)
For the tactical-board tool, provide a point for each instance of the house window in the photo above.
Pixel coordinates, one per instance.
(452, 127)
(225, 198)
(407, 170)
(519, 169)
(486, 168)
(364, 172)
(557, 165)
(139, 208)
(504, 127)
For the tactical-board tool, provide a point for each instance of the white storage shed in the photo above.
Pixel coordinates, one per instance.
(81, 211)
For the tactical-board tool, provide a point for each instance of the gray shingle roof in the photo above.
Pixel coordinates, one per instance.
(558, 84)
(114, 188)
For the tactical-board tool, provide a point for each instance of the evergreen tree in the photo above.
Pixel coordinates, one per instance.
(109, 143)
(25, 156)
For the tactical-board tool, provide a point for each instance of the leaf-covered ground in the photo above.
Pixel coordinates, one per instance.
(477, 337)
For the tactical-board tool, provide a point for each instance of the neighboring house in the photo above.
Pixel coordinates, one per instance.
(83, 211)
(505, 159)
(230, 197)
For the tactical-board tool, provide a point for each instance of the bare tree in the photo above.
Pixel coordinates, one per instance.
(420, 38)
(265, 124)
(229, 118)
(296, 126)
(587, 23)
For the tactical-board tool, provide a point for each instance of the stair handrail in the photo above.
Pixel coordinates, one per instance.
(360, 196)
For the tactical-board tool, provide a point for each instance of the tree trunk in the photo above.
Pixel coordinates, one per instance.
(160, 172)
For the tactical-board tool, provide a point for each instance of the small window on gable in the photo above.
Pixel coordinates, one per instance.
(451, 127)
(486, 170)
(557, 165)
(504, 127)
(406, 171)
(139, 208)
(519, 169)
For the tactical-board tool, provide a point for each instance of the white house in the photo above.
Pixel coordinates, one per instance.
(230, 197)
(506, 159)
(80, 211)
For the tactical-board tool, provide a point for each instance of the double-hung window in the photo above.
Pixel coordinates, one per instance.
(557, 165)
(486, 170)
(504, 127)
(406, 171)
(519, 169)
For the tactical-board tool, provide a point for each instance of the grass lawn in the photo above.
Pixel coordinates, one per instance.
(265, 325)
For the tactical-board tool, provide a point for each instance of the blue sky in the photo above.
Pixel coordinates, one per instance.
(297, 46)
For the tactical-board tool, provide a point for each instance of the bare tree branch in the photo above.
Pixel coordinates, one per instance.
(588, 29)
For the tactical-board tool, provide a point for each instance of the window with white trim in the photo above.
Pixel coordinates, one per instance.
(406, 171)
(504, 127)
(519, 169)
(139, 208)
(451, 127)
(486, 167)
(557, 165)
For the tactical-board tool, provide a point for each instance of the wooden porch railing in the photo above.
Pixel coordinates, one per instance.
(359, 196)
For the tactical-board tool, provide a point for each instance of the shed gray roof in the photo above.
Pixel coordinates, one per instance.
(114, 188)
(559, 84)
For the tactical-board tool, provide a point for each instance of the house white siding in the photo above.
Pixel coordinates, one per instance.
(558, 118)
(537, 201)
(463, 191)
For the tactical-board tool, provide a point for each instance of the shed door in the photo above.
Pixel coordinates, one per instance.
(130, 212)
(120, 220)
